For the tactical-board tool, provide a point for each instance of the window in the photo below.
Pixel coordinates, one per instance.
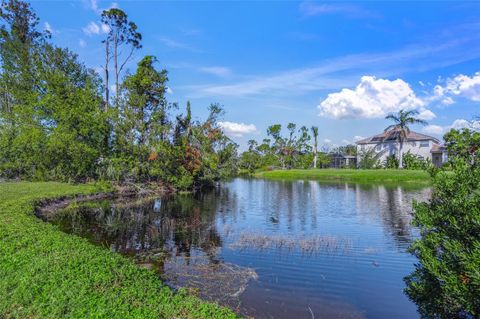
(424, 144)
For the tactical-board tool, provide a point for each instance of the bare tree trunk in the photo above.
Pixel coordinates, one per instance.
(400, 155)
(315, 154)
(115, 57)
(107, 60)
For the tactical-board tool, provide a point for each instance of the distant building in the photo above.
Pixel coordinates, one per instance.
(338, 160)
(385, 144)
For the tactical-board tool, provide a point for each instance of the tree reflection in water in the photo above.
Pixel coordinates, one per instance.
(176, 236)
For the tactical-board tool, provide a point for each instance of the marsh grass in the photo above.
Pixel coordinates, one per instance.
(213, 280)
(312, 245)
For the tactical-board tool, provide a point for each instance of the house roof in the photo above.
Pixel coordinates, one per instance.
(384, 137)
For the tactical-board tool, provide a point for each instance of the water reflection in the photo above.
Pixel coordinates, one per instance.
(210, 242)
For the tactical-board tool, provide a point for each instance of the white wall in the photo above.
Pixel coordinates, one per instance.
(383, 150)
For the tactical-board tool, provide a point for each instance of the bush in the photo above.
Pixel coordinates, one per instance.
(368, 159)
(446, 281)
(411, 161)
(391, 162)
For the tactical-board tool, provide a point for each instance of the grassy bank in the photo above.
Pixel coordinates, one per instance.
(46, 273)
(389, 176)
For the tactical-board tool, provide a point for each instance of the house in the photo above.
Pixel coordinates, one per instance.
(386, 144)
(338, 160)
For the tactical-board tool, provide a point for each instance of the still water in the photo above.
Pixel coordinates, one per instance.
(269, 249)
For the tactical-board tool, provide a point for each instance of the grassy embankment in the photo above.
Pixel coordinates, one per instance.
(387, 176)
(45, 273)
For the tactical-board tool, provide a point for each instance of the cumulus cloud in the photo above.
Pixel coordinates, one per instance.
(465, 86)
(94, 28)
(91, 28)
(327, 141)
(237, 129)
(358, 138)
(433, 129)
(82, 43)
(457, 124)
(216, 70)
(425, 114)
(169, 90)
(372, 98)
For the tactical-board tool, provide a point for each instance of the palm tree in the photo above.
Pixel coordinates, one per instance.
(400, 130)
(315, 144)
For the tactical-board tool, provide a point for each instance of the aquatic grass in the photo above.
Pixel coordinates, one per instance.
(309, 245)
(46, 273)
(385, 176)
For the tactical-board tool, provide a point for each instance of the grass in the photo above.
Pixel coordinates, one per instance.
(388, 176)
(46, 273)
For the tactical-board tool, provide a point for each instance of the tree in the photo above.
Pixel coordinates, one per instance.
(142, 112)
(446, 280)
(288, 148)
(400, 129)
(121, 32)
(315, 145)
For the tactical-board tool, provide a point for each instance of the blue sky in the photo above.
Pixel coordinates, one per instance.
(341, 66)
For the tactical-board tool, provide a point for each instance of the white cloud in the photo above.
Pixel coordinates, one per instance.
(48, 27)
(310, 8)
(358, 138)
(465, 86)
(91, 29)
(433, 129)
(82, 43)
(457, 124)
(425, 114)
(345, 141)
(327, 141)
(169, 90)
(237, 129)
(461, 123)
(216, 70)
(93, 5)
(105, 28)
(372, 98)
(94, 28)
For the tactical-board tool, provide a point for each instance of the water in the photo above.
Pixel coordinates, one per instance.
(269, 249)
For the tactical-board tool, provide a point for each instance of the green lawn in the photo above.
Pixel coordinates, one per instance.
(389, 176)
(45, 273)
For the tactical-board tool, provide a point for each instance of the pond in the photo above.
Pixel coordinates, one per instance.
(269, 249)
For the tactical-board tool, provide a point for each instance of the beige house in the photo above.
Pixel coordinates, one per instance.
(384, 145)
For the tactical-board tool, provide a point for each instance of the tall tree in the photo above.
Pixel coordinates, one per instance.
(315, 145)
(400, 129)
(121, 33)
(145, 102)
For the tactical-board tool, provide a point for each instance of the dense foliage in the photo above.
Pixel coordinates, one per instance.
(57, 124)
(292, 150)
(446, 281)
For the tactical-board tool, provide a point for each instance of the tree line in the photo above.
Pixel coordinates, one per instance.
(59, 119)
(297, 147)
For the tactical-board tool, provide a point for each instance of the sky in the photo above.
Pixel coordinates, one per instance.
(341, 66)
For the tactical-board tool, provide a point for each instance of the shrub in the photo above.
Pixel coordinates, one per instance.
(412, 161)
(391, 162)
(446, 281)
